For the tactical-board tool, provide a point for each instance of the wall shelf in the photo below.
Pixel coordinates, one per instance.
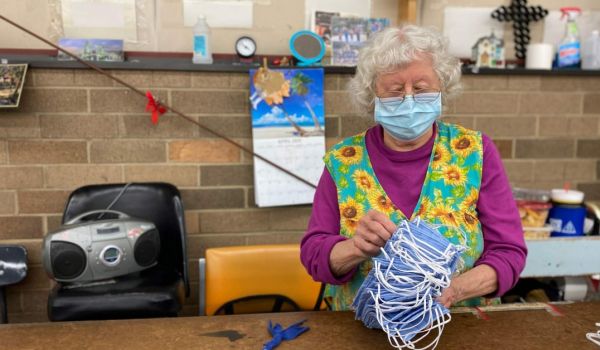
(178, 63)
(558, 256)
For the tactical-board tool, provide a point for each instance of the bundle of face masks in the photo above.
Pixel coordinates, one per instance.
(399, 293)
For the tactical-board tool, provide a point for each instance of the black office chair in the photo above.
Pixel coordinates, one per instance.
(155, 292)
(13, 269)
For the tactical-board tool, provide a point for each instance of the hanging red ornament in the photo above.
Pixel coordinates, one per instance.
(154, 107)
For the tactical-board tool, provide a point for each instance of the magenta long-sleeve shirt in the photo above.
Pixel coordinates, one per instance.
(401, 175)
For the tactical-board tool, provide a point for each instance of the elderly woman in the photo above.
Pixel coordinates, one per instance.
(412, 164)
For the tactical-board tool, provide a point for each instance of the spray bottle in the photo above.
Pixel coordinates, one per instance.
(569, 49)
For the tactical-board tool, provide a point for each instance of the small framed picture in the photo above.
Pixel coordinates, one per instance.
(103, 50)
(12, 78)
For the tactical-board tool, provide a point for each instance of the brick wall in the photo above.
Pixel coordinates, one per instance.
(76, 127)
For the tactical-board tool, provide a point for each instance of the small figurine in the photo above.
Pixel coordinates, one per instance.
(488, 52)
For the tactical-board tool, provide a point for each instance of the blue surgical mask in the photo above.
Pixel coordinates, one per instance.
(404, 118)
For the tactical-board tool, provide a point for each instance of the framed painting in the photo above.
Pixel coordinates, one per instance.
(12, 78)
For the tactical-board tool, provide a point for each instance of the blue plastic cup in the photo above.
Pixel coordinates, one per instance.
(567, 220)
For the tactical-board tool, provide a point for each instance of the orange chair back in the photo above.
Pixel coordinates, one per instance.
(234, 273)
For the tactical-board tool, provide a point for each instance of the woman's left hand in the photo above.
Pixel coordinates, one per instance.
(478, 281)
(450, 295)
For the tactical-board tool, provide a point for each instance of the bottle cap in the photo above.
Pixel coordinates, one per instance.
(560, 195)
(571, 12)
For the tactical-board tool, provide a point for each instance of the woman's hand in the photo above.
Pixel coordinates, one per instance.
(372, 231)
(478, 281)
(450, 295)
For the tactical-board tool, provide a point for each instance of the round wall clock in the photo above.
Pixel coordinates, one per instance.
(245, 47)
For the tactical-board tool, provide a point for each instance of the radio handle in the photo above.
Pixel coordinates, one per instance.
(79, 218)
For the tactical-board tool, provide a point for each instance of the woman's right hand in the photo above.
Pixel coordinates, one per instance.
(372, 232)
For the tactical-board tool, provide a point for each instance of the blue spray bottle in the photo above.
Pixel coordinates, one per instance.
(568, 54)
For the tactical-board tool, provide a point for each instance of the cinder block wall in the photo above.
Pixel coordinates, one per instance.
(76, 127)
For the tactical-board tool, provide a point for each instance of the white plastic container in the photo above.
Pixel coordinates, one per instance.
(590, 51)
(202, 51)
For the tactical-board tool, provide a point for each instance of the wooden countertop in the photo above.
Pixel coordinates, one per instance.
(530, 329)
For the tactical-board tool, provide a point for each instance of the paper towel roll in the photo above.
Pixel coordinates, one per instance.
(575, 288)
(539, 56)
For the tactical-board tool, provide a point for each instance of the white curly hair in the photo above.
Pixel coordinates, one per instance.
(394, 48)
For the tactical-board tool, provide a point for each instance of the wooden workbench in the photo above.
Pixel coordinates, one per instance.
(531, 329)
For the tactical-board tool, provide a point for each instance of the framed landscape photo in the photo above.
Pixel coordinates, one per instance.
(12, 78)
(102, 50)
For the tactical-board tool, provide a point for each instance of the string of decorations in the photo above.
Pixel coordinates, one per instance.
(153, 105)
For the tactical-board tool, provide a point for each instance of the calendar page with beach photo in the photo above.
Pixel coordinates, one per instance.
(288, 128)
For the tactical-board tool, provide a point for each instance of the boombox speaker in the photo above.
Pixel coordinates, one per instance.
(86, 251)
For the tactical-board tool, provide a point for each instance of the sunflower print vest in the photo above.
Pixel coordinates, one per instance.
(448, 197)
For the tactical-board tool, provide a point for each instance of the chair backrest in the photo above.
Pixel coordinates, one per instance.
(158, 202)
(13, 264)
(13, 269)
(245, 272)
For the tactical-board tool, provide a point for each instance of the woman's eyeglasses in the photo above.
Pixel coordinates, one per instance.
(423, 96)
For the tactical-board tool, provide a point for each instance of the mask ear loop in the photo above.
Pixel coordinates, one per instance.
(459, 249)
(448, 254)
(382, 310)
(462, 232)
(386, 310)
(398, 291)
(594, 337)
(437, 268)
(451, 249)
(415, 317)
(435, 277)
(411, 344)
(418, 251)
(385, 278)
(391, 263)
(439, 321)
(429, 276)
(415, 321)
(420, 245)
(439, 325)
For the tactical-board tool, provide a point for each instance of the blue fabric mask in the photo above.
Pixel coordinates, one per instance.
(399, 295)
(405, 119)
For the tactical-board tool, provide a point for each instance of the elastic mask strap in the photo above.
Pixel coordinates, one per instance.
(400, 292)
